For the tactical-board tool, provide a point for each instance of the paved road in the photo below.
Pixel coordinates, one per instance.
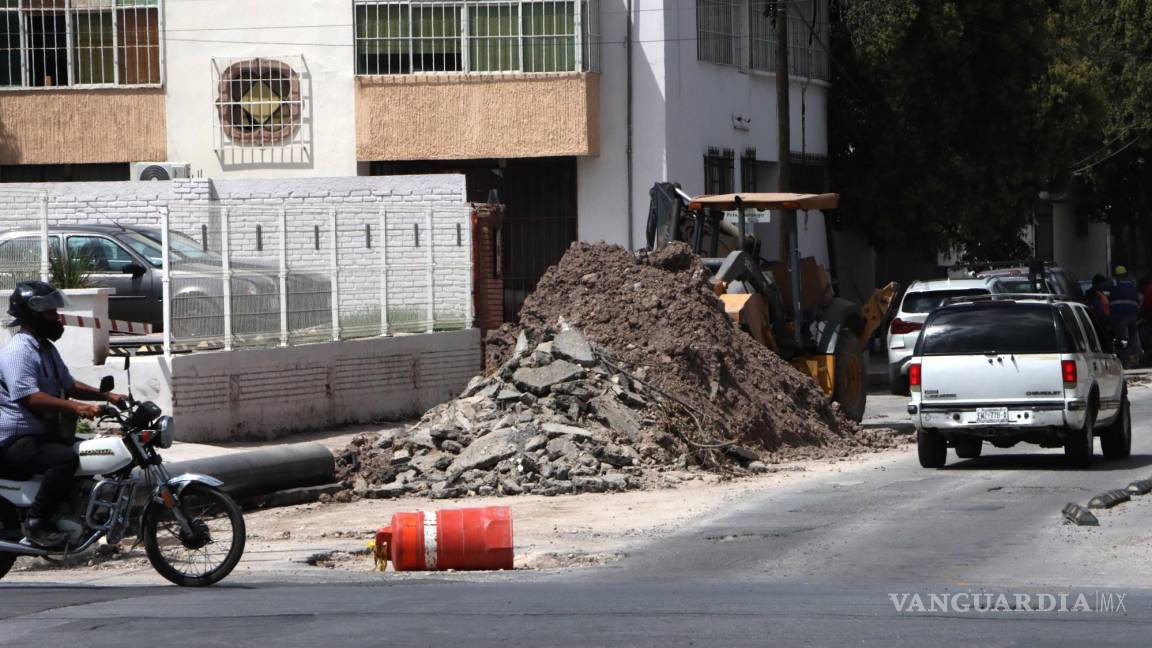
(817, 563)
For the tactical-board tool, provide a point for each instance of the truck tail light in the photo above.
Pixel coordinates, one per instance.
(1068, 368)
(900, 327)
(914, 375)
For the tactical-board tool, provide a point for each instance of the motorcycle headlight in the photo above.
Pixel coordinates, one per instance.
(165, 428)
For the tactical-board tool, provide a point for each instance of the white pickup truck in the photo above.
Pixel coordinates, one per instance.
(1012, 368)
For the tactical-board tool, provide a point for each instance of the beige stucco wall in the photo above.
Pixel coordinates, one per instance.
(465, 117)
(79, 126)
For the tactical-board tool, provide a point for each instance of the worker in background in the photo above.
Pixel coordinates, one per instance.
(1098, 302)
(1124, 299)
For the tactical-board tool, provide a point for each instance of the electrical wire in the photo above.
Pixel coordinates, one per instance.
(1118, 151)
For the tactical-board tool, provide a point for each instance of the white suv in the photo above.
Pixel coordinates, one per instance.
(919, 300)
(1006, 369)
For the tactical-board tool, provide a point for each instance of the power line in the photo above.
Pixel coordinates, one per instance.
(1118, 151)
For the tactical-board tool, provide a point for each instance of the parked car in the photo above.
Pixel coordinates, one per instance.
(1006, 370)
(1054, 280)
(129, 259)
(918, 301)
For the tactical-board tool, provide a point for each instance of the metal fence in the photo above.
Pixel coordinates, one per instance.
(420, 36)
(268, 276)
(227, 277)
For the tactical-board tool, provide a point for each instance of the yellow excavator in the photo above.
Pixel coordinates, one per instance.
(789, 307)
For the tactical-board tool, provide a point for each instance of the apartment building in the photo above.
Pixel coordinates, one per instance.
(565, 110)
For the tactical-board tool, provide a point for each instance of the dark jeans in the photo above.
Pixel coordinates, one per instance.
(34, 455)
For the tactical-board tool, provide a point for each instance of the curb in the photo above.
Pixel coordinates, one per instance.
(1108, 499)
(1079, 515)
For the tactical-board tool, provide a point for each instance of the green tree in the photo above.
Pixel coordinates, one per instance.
(948, 117)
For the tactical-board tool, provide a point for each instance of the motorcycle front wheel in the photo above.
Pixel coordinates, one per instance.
(210, 551)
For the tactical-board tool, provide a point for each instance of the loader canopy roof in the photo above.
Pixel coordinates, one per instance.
(767, 201)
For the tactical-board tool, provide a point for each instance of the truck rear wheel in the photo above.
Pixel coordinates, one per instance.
(1078, 444)
(848, 386)
(1116, 439)
(931, 448)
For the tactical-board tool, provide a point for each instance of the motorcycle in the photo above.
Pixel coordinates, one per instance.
(193, 532)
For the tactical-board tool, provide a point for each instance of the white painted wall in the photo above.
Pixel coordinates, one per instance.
(681, 107)
(1083, 255)
(322, 33)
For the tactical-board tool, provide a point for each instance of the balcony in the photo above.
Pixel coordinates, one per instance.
(476, 79)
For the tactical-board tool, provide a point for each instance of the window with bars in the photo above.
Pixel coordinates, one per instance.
(475, 36)
(748, 171)
(47, 43)
(719, 171)
(743, 33)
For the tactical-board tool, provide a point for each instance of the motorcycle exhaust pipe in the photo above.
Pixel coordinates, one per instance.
(21, 549)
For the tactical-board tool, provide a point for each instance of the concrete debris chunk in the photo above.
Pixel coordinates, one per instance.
(539, 380)
(572, 345)
(485, 452)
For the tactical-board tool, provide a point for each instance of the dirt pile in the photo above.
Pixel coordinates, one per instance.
(623, 365)
(659, 311)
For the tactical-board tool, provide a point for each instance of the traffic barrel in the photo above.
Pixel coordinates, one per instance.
(459, 539)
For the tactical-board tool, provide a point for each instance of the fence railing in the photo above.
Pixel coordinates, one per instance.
(226, 277)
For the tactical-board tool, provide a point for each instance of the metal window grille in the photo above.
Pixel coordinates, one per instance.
(748, 171)
(716, 31)
(719, 168)
(263, 110)
(476, 36)
(740, 32)
(55, 43)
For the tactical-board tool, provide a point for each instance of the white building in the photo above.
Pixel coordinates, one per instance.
(569, 110)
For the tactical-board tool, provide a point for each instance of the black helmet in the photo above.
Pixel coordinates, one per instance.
(32, 297)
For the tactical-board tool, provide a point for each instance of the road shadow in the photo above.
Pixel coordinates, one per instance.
(1047, 461)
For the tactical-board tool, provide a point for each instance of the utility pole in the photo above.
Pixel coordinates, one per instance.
(789, 243)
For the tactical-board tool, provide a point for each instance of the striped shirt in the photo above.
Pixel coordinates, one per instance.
(27, 366)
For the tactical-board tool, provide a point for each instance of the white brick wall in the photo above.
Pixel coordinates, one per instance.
(197, 204)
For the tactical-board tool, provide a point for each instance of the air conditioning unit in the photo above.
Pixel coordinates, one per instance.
(145, 171)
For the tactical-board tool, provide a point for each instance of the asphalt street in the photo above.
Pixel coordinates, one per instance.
(884, 554)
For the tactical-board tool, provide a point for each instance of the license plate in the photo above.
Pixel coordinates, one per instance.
(992, 415)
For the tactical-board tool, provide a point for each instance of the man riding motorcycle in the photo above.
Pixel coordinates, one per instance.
(37, 419)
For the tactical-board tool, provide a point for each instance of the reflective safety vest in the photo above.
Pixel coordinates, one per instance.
(1125, 299)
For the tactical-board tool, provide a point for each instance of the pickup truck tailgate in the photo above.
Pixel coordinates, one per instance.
(991, 378)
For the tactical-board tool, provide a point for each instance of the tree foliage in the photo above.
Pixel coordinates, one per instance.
(948, 117)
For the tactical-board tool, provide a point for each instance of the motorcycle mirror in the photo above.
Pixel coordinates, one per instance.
(107, 384)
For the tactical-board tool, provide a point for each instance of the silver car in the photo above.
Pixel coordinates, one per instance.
(128, 259)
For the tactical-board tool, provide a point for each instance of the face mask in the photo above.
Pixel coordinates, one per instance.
(50, 329)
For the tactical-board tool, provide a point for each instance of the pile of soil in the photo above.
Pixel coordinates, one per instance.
(623, 365)
(660, 311)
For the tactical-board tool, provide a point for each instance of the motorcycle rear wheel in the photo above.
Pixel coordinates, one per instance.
(210, 552)
(9, 520)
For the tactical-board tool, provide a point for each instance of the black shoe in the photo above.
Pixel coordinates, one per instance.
(39, 533)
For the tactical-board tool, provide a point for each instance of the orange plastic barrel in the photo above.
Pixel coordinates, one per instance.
(460, 539)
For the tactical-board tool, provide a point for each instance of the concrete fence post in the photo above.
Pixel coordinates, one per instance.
(45, 267)
(384, 328)
(166, 279)
(283, 277)
(334, 269)
(226, 266)
(431, 314)
(469, 305)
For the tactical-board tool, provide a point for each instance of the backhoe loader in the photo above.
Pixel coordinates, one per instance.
(789, 307)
